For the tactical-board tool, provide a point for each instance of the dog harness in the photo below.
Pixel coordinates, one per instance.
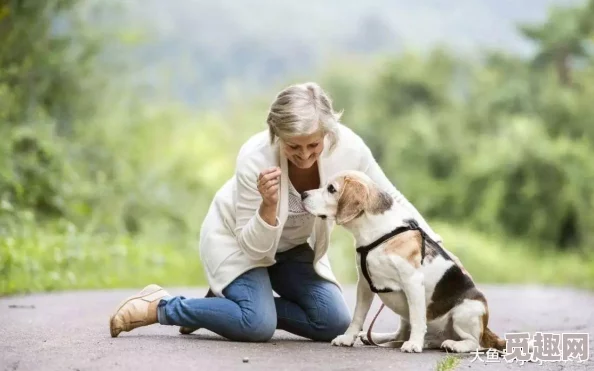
(364, 250)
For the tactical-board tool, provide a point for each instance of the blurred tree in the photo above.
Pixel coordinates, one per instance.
(403, 85)
(45, 62)
(47, 84)
(561, 39)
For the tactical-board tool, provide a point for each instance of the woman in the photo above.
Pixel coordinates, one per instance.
(256, 236)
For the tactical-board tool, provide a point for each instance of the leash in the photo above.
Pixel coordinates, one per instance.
(369, 339)
(390, 344)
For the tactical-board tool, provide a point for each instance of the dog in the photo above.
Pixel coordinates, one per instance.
(439, 305)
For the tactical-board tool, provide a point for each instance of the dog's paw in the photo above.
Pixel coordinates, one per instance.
(344, 340)
(457, 346)
(450, 345)
(412, 347)
(363, 337)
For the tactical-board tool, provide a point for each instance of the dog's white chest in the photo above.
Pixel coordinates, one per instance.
(384, 270)
(392, 272)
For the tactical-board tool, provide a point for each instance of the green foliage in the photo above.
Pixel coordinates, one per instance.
(45, 62)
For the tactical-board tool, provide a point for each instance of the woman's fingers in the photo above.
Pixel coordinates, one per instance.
(272, 194)
(270, 183)
(269, 174)
(272, 190)
(268, 177)
(265, 185)
(269, 171)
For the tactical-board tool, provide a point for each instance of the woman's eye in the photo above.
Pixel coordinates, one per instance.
(313, 145)
(331, 188)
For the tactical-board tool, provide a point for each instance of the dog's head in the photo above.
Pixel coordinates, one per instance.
(346, 197)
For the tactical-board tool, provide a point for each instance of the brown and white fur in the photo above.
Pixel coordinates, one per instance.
(438, 304)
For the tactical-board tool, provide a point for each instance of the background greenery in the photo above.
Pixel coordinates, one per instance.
(105, 178)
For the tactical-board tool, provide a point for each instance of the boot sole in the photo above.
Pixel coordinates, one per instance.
(116, 331)
(187, 330)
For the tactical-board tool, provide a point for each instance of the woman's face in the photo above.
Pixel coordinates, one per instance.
(303, 151)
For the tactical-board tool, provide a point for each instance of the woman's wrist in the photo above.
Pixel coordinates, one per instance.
(268, 213)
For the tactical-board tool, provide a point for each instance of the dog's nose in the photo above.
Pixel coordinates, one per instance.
(303, 196)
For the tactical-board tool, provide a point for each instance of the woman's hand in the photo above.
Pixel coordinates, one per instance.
(268, 183)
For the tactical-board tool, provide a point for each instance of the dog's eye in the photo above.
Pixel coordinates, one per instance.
(331, 188)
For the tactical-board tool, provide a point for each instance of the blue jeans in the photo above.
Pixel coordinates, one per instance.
(308, 305)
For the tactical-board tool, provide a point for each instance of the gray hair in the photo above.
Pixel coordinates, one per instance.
(302, 109)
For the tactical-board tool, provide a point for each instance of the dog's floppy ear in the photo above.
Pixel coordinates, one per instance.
(352, 200)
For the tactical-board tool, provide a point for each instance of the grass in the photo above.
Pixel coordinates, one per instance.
(448, 363)
(38, 260)
(41, 259)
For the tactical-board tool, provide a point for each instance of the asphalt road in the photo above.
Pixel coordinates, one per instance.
(69, 331)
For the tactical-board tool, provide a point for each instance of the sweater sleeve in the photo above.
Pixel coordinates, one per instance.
(255, 237)
(370, 166)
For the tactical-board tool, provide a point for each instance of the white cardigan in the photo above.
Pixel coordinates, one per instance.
(233, 236)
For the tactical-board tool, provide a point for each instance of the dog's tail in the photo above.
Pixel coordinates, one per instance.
(491, 340)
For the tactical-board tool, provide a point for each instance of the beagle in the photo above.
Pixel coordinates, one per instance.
(439, 305)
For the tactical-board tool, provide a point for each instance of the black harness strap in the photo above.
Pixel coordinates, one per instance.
(364, 250)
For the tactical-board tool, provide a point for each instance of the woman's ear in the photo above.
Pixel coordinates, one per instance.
(352, 202)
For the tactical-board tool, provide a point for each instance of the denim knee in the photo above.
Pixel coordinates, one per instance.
(336, 325)
(342, 323)
(256, 327)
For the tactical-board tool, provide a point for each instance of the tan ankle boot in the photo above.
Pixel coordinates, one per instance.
(137, 310)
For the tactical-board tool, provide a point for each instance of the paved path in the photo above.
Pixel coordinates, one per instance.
(69, 331)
